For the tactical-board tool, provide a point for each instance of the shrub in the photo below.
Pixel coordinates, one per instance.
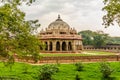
(77, 77)
(47, 71)
(10, 62)
(105, 70)
(25, 68)
(79, 66)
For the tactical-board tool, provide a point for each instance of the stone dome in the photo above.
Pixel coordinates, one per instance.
(58, 27)
(58, 24)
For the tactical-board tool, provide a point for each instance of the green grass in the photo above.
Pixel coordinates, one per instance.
(90, 72)
(62, 54)
(84, 53)
(100, 53)
(67, 71)
(18, 71)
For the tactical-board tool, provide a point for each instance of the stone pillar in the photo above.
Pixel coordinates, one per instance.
(74, 46)
(54, 45)
(60, 45)
(66, 45)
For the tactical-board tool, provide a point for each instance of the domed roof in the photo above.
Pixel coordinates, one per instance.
(58, 24)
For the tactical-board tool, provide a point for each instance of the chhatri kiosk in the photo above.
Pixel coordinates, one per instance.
(59, 37)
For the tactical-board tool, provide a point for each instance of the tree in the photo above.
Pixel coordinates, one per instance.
(96, 39)
(114, 40)
(87, 36)
(112, 7)
(100, 39)
(16, 34)
(18, 2)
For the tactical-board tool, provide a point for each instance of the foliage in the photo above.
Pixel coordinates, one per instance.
(97, 39)
(18, 2)
(79, 66)
(16, 34)
(10, 62)
(114, 40)
(100, 39)
(47, 71)
(87, 36)
(77, 77)
(112, 7)
(105, 70)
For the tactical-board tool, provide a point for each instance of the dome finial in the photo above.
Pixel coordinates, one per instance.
(59, 19)
(58, 16)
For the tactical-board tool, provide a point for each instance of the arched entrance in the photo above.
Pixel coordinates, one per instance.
(46, 46)
(50, 46)
(58, 46)
(69, 46)
(63, 46)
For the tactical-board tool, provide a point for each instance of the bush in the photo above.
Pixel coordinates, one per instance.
(79, 66)
(105, 70)
(25, 68)
(47, 71)
(77, 77)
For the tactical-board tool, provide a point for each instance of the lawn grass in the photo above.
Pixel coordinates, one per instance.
(62, 54)
(100, 53)
(84, 53)
(90, 72)
(18, 71)
(67, 71)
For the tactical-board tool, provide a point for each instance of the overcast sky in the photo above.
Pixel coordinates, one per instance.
(80, 14)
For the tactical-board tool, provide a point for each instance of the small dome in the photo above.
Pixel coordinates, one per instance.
(58, 24)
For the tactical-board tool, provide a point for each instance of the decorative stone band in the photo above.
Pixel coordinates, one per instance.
(71, 37)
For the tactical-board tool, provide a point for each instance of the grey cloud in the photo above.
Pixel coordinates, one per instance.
(49, 6)
(78, 13)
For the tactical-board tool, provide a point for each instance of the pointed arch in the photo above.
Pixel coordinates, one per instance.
(46, 46)
(51, 46)
(57, 46)
(64, 46)
(69, 46)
